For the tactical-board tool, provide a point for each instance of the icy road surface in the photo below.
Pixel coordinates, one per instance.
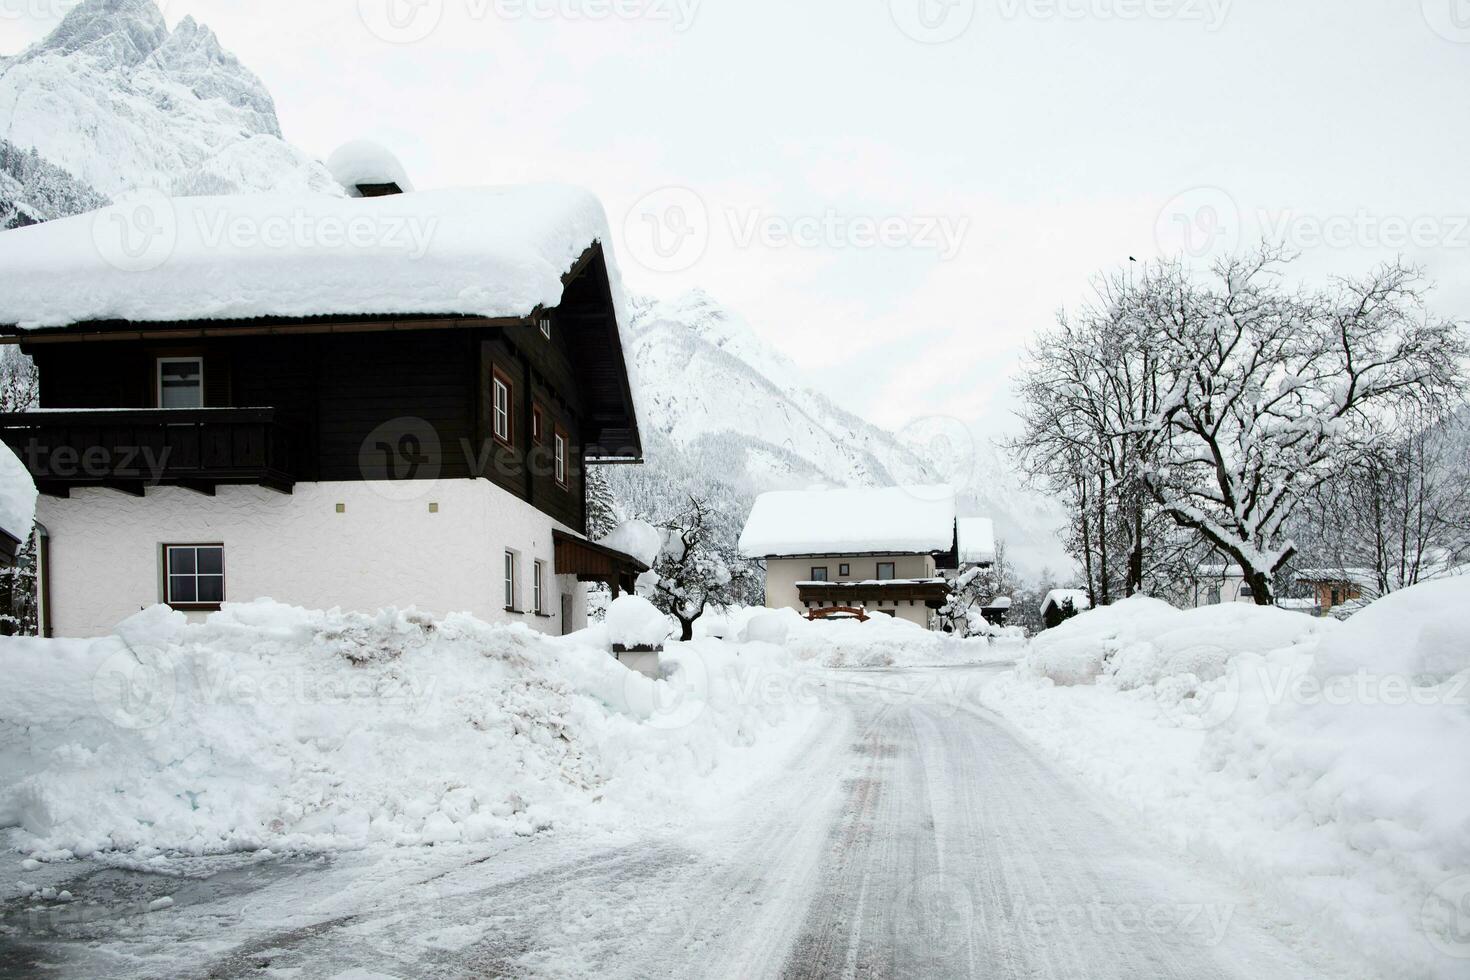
(912, 836)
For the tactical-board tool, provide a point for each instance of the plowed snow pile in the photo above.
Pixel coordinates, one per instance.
(1327, 763)
(882, 641)
(273, 726)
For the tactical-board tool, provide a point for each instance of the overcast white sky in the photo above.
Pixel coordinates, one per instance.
(1057, 135)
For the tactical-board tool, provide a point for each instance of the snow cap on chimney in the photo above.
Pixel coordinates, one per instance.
(368, 169)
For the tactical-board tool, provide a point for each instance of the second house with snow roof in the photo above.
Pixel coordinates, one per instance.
(869, 551)
(372, 400)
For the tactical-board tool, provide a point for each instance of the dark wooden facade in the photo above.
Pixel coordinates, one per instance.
(346, 399)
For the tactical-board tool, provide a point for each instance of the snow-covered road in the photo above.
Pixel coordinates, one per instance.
(911, 835)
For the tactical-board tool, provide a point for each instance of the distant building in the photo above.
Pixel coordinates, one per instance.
(1216, 584)
(874, 550)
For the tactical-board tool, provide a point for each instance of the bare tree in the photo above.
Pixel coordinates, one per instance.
(1400, 516)
(696, 569)
(1267, 395)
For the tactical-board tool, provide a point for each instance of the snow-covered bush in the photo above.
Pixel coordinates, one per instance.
(272, 726)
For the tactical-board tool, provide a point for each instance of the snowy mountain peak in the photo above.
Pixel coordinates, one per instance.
(149, 107)
(699, 314)
(118, 31)
(193, 55)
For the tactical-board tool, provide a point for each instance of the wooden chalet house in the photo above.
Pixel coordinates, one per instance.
(385, 399)
(862, 552)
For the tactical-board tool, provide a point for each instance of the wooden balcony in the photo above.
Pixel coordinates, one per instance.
(932, 593)
(132, 449)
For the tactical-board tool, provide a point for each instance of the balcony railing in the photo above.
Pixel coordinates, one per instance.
(931, 592)
(133, 449)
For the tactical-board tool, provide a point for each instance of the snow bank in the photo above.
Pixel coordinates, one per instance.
(891, 520)
(1140, 641)
(1323, 762)
(882, 641)
(632, 622)
(482, 251)
(273, 726)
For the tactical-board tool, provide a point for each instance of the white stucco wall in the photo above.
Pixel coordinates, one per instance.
(385, 549)
(782, 574)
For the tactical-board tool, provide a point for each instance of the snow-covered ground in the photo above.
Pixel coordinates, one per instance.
(1323, 763)
(908, 835)
(1228, 792)
(274, 727)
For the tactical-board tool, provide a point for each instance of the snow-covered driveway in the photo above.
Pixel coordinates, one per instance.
(912, 835)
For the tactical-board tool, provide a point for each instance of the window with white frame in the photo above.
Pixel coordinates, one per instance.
(181, 382)
(500, 412)
(537, 570)
(561, 457)
(194, 574)
(512, 560)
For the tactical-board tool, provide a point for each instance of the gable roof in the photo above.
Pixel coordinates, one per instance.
(889, 521)
(486, 252)
(158, 268)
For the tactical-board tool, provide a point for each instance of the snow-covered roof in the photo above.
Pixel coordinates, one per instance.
(365, 162)
(637, 538)
(1221, 571)
(887, 521)
(976, 540)
(495, 252)
(17, 496)
(1056, 597)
